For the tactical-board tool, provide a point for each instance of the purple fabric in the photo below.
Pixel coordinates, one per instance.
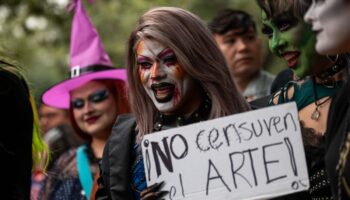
(86, 49)
(58, 96)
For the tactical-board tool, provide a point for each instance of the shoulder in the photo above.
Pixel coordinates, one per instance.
(123, 135)
(124, 124)
(267, 76)
(64, 168)
(66, 163)
(285, 94)
(117, 158)
(266, 79)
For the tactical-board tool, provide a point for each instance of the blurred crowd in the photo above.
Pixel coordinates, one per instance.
(84, 139)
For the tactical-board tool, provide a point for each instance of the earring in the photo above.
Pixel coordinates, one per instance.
(338, 65)
(334, 59)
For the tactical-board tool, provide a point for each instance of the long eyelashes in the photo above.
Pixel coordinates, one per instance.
(285, 21)
(144, 62)
(144, 65)
(168, 60)
(267, 31)
(283, 26)
(96, 97)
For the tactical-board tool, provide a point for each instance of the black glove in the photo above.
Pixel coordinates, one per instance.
(154, 192)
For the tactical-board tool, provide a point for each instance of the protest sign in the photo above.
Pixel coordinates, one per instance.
(253, 155)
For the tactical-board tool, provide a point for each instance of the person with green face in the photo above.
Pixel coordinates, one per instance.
(293, 40)
(316, 81)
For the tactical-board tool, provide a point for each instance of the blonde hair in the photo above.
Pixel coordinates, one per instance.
(196, 52)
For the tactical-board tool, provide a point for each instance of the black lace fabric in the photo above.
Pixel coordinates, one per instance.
(314, 146)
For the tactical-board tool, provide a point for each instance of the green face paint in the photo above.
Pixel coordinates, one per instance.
(292, 40)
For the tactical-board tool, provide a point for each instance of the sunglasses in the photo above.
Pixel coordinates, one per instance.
(95, 97)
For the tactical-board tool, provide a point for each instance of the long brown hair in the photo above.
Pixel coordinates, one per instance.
(196, 52)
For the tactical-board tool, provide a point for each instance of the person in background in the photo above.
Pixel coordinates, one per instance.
(95, 94)
(21, 145)
(330, 22)
(173, 68)
(58, 131)
(318, 79)
(51, 117)
(236, 35)
(59, 136)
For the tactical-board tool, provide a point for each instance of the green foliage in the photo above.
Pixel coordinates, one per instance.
(36, 33)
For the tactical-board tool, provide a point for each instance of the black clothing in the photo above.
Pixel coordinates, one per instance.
(278, 83)
(281, 80)
(114, 181)
(336, 136)
(314, 153)
(261, 102)
(118, 160)
(16, 127)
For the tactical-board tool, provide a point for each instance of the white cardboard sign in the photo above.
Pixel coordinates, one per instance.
(253, 155)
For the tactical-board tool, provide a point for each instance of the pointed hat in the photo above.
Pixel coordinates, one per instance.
(88, 61)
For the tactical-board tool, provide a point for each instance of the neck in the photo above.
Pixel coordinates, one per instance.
(242, 82)
(192, 103)
(97, 145)
(335, 70)
(201, 113)
(336, 77)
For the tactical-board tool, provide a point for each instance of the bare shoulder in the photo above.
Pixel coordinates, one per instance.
(283, 95)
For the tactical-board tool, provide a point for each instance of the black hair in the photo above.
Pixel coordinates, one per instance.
(273, 8)
(230, 19)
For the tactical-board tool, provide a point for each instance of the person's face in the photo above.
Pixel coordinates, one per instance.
(163, 78)
(241, 50)
(51, 117)
(292, 40)
(330, 22)
(94, 108)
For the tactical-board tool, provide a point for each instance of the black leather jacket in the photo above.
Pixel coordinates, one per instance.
(116, 161)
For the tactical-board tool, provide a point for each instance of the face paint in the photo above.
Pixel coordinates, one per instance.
(97, 109)
(293, 41)
(330, 22)
(162, 76)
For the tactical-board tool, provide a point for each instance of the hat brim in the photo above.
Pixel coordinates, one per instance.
(59, 95)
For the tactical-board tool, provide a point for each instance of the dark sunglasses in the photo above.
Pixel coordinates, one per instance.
(95, 97)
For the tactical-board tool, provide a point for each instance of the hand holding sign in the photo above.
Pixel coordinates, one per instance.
(154, 192)
(258, 154)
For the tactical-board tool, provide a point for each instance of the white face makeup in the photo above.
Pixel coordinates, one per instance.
(163, 78)
(330, 21)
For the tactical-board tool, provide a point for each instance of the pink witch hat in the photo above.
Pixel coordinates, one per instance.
(88, 61)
